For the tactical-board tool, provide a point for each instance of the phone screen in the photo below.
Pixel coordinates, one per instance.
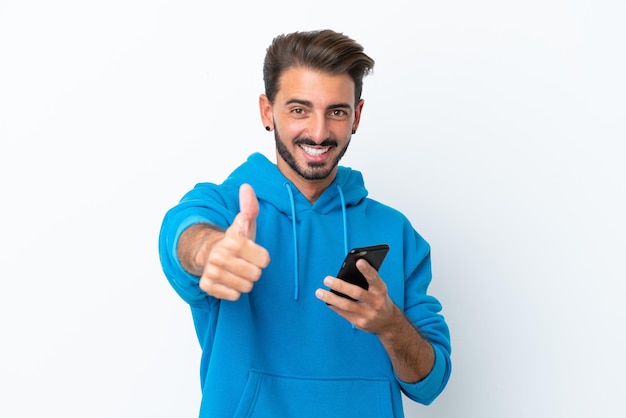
(373, 254)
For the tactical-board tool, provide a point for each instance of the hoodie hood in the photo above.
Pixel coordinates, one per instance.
(272, 187)
(269, 185)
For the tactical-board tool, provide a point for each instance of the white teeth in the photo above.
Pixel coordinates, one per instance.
(316, 152)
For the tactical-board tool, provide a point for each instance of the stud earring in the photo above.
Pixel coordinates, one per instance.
(353, 131)
(267, 128)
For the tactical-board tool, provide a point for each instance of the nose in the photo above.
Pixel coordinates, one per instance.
(319, 128)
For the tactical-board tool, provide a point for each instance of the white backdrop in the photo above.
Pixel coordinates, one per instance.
(497, 127)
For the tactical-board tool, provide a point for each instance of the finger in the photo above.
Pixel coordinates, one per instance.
(341, 286)
(369, 272)
(248, 211)
(239, 256)
(217, 278)
(249, 252)
(333, 300)
(219, 290)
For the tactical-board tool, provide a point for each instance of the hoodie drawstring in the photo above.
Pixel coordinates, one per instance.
(345, 220)
(345, 227)
(295, 233)
(295, 241)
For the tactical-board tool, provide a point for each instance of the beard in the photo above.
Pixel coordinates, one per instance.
(312, 171)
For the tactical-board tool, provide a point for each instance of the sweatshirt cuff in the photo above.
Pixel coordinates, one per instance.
(426, 390)
(184, 224)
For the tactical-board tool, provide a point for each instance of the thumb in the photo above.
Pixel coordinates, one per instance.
(248, 211)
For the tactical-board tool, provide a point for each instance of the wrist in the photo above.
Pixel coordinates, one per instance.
(194, 246)
(205, 245)
(395, 326)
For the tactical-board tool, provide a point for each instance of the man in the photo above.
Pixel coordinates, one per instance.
(255, 258)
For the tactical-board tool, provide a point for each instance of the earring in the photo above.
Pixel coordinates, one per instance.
(267, 128)
(353, 131)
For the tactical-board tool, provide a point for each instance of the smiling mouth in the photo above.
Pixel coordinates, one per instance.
(315, 151)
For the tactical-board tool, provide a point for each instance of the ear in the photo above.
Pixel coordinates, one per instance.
(265, 108)
(357, 115)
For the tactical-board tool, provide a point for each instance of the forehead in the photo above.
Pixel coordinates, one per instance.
(315, 86)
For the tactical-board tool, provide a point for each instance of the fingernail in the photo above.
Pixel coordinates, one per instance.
(328, 281)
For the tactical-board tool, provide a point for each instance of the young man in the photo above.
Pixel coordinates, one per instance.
(255, 257)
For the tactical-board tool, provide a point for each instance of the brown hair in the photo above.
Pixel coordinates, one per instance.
(324, 50)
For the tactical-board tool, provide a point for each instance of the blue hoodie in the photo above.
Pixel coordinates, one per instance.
(279, 351)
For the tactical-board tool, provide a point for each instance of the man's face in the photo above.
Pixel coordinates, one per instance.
(313, 116)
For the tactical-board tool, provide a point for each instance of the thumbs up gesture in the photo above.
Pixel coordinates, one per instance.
(245, 221)
(234, 261)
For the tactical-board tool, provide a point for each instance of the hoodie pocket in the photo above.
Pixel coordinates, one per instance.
(269, 395)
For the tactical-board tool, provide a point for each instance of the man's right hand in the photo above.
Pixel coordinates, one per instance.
(228, 262)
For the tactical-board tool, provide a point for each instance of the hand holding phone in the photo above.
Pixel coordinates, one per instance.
(373, 254)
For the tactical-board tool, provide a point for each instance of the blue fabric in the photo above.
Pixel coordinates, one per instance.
(279, 351)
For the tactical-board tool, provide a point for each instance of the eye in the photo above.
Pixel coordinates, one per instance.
(298, 111)
(338, 114)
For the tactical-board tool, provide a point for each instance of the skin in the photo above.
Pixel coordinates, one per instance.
(313, 116)
(317, 109)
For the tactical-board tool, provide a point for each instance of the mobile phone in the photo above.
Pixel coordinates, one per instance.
(373, 254)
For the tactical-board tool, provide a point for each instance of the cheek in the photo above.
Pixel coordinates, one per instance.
(342, 129)
(291, 128)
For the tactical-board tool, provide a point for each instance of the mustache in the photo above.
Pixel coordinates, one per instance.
(328, 142)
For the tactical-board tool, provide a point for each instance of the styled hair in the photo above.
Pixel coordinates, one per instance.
(324, 50)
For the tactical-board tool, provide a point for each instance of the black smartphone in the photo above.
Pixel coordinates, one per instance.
(373, 254)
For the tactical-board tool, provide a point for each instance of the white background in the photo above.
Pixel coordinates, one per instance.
(498, 127)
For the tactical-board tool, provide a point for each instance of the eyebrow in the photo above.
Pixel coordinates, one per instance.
(308, 103)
